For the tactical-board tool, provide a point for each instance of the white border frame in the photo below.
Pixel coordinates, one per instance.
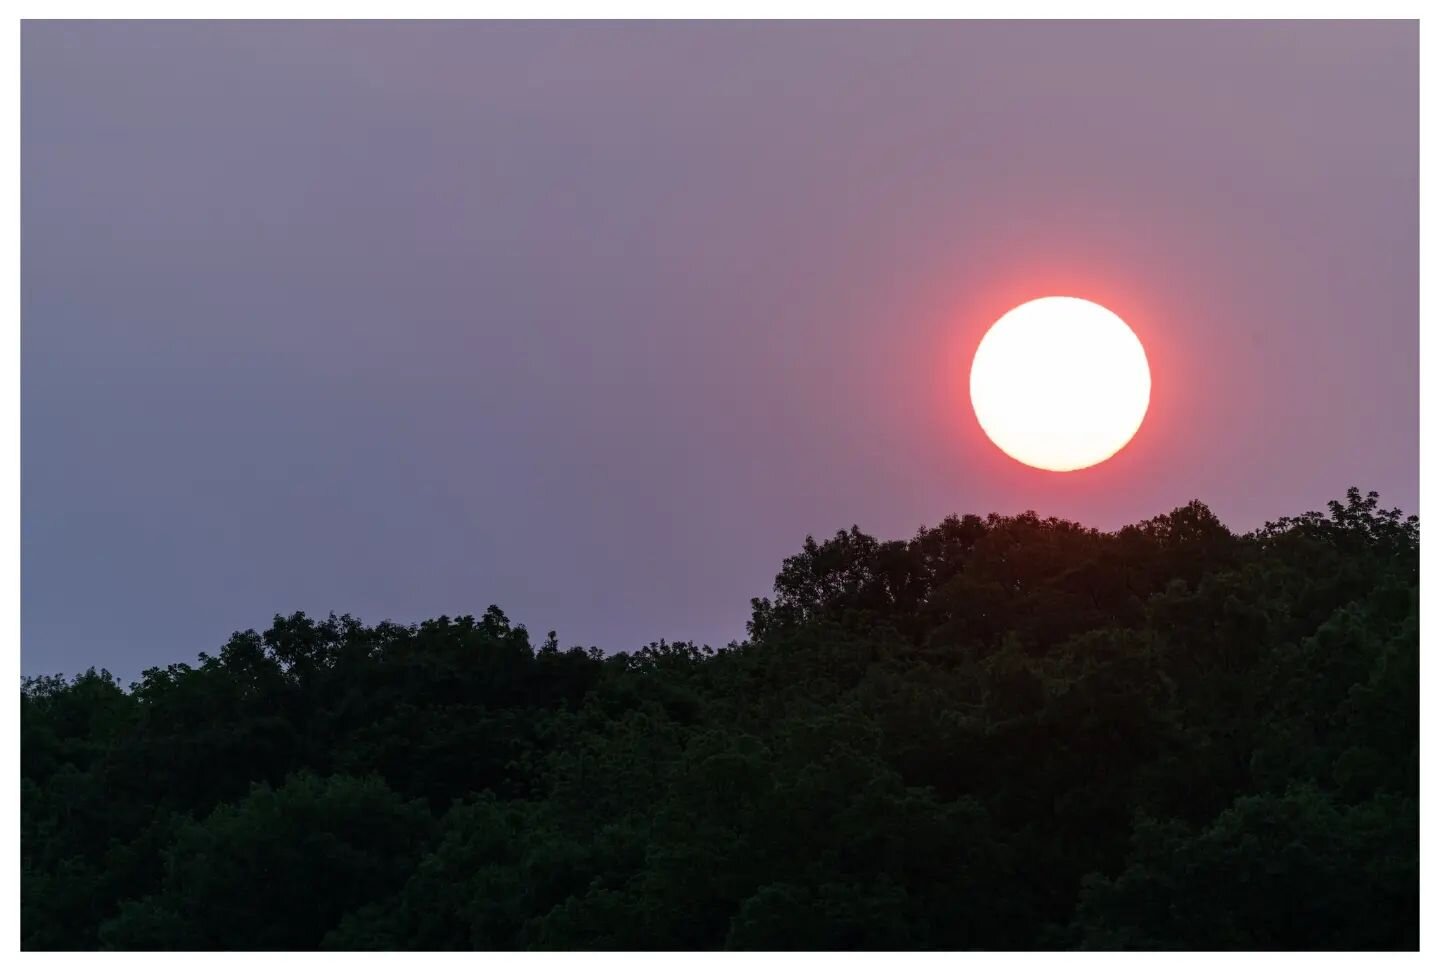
(10, 378)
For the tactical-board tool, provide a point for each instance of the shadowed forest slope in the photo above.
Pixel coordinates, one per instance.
(1006, 732)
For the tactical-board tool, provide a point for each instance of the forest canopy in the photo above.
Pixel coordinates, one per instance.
(1006, 732)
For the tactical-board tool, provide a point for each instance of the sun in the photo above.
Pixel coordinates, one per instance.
(1060, 383)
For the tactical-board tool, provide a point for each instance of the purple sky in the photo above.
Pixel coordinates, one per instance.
(597, 322)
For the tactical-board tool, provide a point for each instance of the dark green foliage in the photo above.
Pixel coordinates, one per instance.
(1005, 733)
(278, 869)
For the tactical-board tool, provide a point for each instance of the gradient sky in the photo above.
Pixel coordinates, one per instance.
(597, 321)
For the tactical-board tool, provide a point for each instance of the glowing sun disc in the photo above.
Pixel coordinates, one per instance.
(1060, 383)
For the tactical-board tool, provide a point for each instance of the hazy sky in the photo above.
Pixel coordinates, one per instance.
(596, 322)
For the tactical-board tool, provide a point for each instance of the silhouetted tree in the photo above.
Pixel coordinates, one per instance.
(1004, 732)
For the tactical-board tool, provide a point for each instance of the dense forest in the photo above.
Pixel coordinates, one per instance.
(1003, 733)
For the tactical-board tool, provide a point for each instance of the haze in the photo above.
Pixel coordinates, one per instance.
(596, 322)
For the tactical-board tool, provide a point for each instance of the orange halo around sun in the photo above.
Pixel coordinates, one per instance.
(1060, 383)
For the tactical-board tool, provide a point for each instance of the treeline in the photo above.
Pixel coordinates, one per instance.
(1004, 733)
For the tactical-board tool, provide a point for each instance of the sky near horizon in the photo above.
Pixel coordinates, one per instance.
(598, 321)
